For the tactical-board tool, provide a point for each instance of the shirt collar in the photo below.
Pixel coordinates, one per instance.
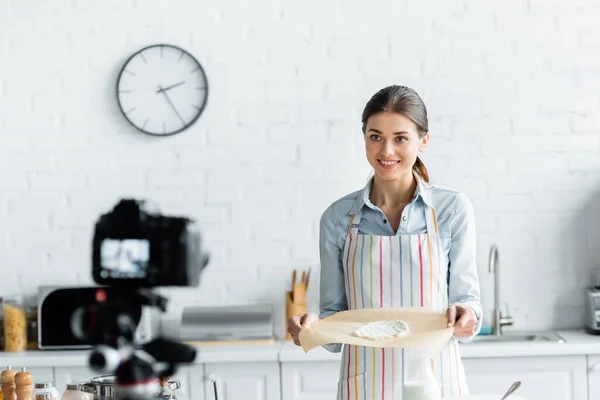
(423, 191)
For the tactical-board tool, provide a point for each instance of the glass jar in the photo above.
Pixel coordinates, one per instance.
(73, 392)
(15, 324)
(32, 328)
(46, 387)
(1, 325)
(420, 383)
(88, 390)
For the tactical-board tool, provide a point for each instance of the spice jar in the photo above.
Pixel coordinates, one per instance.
(15, 324)
(46, 387)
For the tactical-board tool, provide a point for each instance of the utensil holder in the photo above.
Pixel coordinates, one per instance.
(292, 308)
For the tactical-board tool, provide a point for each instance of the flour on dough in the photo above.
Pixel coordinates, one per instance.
(382, 330)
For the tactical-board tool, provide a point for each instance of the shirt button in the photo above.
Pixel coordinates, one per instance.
(405, 218)
(385, 221)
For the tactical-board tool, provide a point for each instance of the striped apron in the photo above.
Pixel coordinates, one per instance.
(395, 271)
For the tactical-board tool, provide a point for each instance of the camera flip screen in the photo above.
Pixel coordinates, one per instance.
(124, 258)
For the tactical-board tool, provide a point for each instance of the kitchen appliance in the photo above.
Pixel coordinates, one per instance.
(55, 309)
(592, 310)
(236, 324)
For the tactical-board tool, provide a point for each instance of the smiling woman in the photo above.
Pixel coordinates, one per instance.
(388, 120)
(401, 241)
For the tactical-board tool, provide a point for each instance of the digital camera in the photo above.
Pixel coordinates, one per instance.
(135, 246)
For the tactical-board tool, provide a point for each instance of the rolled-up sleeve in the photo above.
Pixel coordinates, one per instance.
(332, 287)
(463, 280)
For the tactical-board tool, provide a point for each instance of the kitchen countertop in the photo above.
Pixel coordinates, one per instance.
(209, 354)
(577, 342)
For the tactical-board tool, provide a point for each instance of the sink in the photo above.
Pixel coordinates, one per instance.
(516, 337)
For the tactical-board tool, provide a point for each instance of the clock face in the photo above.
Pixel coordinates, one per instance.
(162, 90)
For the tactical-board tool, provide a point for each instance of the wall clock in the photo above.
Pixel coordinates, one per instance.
(162, 90)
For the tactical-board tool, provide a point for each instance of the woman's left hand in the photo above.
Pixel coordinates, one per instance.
(463, 319)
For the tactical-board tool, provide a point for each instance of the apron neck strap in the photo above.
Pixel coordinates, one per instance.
(354, 222)
(431, 218)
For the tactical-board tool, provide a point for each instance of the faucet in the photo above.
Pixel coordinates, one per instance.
(499, 321)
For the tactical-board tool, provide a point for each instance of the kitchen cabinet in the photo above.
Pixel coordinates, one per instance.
(251, 381)
(550, 377)
(309, 380)
(594, 377)
(196, 382)
(40, 374)
(64, 375)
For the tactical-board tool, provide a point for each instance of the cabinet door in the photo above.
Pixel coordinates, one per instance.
(249, 381)
(197, 382)
(594, 377)
(40, 374)
(310, 380)
(557, 377)
(64, 375)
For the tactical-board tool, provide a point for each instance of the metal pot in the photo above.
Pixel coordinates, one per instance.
(104, 387)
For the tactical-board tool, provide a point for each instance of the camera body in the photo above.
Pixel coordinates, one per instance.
(135, 246)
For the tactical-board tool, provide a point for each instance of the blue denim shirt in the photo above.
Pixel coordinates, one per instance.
(456, 222)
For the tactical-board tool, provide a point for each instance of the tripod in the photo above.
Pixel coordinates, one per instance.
(111, 324)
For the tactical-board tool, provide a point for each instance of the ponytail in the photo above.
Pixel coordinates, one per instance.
(420, 169)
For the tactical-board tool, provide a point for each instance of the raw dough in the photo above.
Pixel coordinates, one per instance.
(382, 330)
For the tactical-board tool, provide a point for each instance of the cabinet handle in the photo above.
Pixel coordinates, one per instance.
(213, 379)
(595, 368)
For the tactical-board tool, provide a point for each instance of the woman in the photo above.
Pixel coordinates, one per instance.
(401, 242)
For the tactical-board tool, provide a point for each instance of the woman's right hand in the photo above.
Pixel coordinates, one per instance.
(297, 322)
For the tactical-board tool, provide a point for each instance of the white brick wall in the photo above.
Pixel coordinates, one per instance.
(513, 90)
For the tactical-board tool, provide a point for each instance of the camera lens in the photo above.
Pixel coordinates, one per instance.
(104, 359)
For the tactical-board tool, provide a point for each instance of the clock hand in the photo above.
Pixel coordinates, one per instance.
(169, 87)
(161, 90)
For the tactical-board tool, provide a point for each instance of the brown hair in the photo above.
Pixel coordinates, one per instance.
(405, 101)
